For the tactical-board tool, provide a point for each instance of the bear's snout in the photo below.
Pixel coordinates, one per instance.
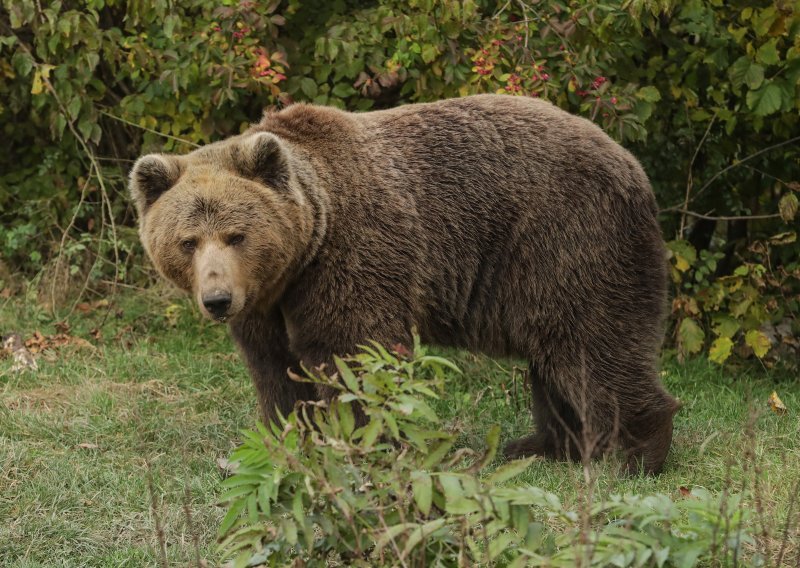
(217, 303)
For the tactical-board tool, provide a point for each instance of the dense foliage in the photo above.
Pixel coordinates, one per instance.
(704, 93)
(320, 491)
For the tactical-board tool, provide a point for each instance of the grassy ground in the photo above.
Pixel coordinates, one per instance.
(110, 441)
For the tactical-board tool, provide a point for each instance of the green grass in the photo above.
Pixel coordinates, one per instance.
(164, 391)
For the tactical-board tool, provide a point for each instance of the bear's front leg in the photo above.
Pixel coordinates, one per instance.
(264, 344)
(317, 346)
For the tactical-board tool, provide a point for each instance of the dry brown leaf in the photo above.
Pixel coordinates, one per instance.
(776, 404)
(62, 326)
(228, 468)
(88, 446)
(39, 343)
(402, 351)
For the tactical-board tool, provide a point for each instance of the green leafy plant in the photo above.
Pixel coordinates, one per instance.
(706, 95)
(750, 310)
(319, 488)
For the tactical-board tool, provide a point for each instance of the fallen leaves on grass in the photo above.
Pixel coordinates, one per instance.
(86, 307)
(23, 359)
(39, 343)
(776, 404)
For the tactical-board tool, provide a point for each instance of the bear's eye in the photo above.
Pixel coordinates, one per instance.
(189, 245)
(235, 240)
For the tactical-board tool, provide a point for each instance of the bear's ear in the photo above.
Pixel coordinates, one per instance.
(265, 158)
(150, 177)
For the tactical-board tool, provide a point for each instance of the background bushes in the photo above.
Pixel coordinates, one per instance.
(704, 93)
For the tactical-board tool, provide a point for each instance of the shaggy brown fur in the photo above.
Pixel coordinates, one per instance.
(491, 223)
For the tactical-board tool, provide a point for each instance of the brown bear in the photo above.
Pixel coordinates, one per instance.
(491, 223)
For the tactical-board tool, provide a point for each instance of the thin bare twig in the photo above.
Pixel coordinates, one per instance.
(187, 510)
(162, 540)
(690, 178)
(740, 162)
(105, 198)
(788, 525)
(718, 217)
(61, 247)
(151, 130)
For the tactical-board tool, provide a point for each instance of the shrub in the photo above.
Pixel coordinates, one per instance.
(704, 93)
(318, 489)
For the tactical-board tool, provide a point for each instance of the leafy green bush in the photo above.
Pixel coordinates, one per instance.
(750, 311)
(704, 93)
(320, 489)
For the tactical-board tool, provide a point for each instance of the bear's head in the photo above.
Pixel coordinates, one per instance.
(228, 222)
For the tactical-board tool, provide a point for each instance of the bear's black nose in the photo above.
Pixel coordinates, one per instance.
(217, 303)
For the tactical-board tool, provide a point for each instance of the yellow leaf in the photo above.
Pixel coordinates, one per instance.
(720, 350)
(788, 206)
(681, 263)
(776, 404)
(38, 85)
(172, 314)
(758, 341)
(42, 73)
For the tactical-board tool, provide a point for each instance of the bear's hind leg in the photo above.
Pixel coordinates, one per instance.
(586, 405)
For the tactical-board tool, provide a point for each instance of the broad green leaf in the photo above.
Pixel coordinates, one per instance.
(428, 360)
(766, 100)
(23, 63)
(421, 532)
(422, 489)
(768, 54)
(492, 443)
(371, 431)
(758, 341)
(499, 544)
(725, 326)
(230, 517)
(754, 76)
(309, 87)
(510, 470)
(289, 530)
(346, 418)
(347, 374)
(429, 53)
(738, 71)
(691, 336)
(649, 94)
(343, 90)
(392, 533)
(435, 457)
